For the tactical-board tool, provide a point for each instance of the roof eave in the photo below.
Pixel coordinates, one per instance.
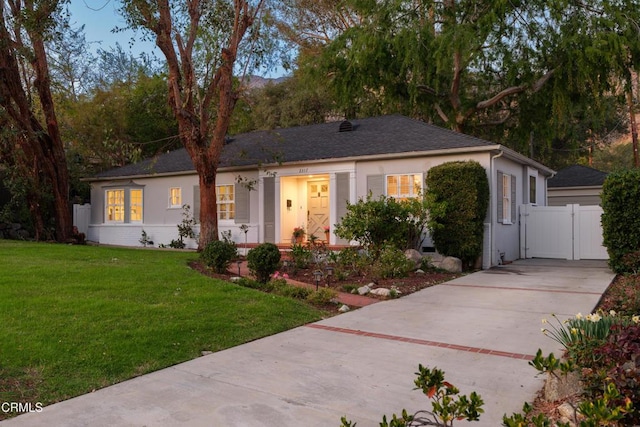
(514, 155)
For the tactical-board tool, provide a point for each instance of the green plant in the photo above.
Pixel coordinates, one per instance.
(322, 296)
(375, 222)
(144, 239)
(457, 198)
(185, 229)
(301, 255)
(263, 261)
(351, 261)
(621, 217)
(298, 232)
(392, 263)
(580, 335)
(447, 405)
(218, 254)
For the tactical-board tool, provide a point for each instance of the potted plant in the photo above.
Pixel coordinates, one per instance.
(298, 234)
(326, 233)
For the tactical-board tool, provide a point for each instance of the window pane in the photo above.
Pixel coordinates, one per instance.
(115, 205)
(135, 203)
(392, 185)
(226, 205)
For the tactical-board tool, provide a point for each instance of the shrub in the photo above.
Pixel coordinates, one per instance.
(322, 296)
(350, 260)
(263, 261)
(301, 256)
(621, 217)
(457, 199)
(372, 223)
(218, 254)
(392, 263)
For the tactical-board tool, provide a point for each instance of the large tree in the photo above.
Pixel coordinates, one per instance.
(27, 101)
(473, 65)
(202, 41)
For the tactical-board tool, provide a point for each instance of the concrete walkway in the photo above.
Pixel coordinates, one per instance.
(480, 329)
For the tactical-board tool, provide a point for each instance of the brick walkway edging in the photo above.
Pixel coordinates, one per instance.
(468, 349)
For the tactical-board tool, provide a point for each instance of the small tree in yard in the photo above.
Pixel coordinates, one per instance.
(621, 218)
(376, 222)
(457, 200)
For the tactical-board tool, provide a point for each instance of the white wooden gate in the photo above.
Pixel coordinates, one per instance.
(565, 232)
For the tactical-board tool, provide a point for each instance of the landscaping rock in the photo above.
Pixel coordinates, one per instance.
(344, 308)
(561, 386)
(419, 271)
(566, 410)
(235, 279)
(451, 264)
(363, 290)
(414, 256)
(381, 292)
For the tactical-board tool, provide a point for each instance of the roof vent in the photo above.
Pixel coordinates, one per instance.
(345, 126)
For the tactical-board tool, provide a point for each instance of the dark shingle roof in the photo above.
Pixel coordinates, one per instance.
(577, 176)
(372, 136)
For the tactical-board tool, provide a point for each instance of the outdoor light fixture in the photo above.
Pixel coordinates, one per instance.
(317, 276)
(329, 270)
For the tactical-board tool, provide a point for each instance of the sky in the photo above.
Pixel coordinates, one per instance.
(100, 17)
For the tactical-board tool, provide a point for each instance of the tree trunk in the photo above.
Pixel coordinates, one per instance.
(42, 143)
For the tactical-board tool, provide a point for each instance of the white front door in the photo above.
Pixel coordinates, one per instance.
(318, 208)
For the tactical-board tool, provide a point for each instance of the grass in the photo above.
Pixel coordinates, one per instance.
(78, 318)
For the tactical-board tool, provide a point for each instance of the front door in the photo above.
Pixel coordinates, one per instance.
(318, 208)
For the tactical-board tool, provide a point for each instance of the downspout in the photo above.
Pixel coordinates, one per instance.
(493, 206)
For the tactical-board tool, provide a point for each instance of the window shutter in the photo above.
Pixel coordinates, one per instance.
(513, 199)
(375, 185)
(196, 203)
(499, 191)
(242, 204)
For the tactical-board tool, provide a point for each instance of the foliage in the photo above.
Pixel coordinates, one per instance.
(392, 263)
(604, 348)
(263, 261)
(186, 226)
(322, 296)
(457, 200)
(447, 405)
(144, 239)
(351, 261)
(298, 232)
(621, 217)
(622, 351)
(376, 222)
(301, 256)
(219, 254)
(96, 306)
(625, 296)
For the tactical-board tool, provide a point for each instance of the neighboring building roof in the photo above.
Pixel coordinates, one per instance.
(375, 136)
(577, 176)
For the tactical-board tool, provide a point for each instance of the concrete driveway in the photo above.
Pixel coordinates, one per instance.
(480, 329)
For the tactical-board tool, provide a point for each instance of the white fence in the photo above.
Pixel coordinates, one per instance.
(566, 232)
(81, 217)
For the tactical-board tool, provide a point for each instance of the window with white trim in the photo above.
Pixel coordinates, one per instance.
(226, 202)
(506, 199)
(175, 197)
(402, 187)
(115, 205)
(123, 205)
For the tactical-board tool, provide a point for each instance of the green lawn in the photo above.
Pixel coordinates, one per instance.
(77, 318)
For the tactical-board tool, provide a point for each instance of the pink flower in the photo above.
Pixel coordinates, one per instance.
(285, 275)
(276, 275)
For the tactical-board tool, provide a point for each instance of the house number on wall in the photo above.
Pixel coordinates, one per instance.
(303, 170)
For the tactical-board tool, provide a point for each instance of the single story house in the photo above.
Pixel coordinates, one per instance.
(577, 184)
(270, 182)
